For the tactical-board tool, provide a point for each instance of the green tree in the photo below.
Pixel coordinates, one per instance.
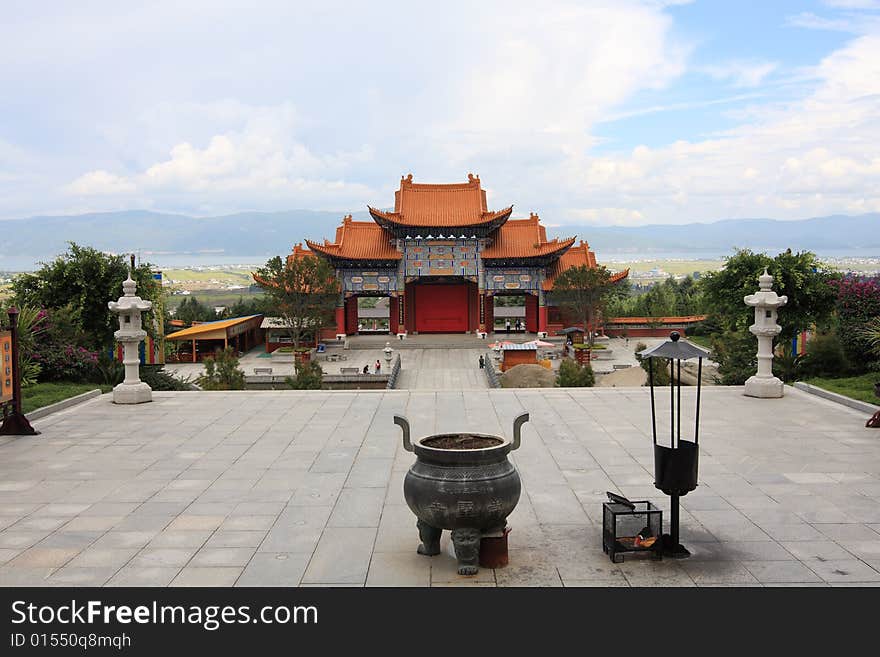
(222, 372)
(736, 353)
(574, 375)
(309, 376)
(799, 276)
(584, 292)
(86, 279)
(303, 292)
(661, 366)
(192, 310)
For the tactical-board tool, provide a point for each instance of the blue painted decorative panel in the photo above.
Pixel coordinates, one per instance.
(506, 279)
(441, 257)
(382, 280)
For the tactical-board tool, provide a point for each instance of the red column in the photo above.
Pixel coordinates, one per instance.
(531, 313)
(489, 313)
(393, 323)
(542, 318)
(340, 319)
(351, 315)
(409, 314)
(473, 308)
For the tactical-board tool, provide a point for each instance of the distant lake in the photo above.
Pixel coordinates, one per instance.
(162, 261)
(180, 260)
(623, 256)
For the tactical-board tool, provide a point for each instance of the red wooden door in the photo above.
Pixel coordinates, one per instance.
(441, 308)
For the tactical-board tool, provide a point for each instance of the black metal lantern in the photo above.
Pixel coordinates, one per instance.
(675, 467)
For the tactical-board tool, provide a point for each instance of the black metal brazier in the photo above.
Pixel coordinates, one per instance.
(463, 482)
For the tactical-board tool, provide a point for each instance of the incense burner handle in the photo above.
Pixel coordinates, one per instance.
(403, 423)
(517, 429)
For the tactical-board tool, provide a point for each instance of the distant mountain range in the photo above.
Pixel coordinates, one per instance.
(273, 233)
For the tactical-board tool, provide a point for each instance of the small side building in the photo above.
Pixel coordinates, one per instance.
(193, 344)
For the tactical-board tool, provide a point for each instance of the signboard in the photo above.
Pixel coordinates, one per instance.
(5, 366)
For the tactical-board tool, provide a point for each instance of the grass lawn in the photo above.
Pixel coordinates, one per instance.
(857, 387)
(43, 394)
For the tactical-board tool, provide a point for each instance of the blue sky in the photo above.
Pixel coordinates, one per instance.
(623, 112)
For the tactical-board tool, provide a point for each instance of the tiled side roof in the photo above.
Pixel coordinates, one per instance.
(207, 327)
(576, 256)
(523, 238)
(358, 240)
(681, 319)
(436, 205)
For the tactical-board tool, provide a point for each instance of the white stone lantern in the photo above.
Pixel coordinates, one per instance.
(766, 303)
(130, 334)
(388, 350)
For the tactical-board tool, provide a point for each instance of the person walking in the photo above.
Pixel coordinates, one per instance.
(507, 326)
(378, 366)
(482, 362)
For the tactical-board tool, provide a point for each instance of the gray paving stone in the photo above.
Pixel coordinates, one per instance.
(781, 572)
(190, 476)
(847, 570)
(342, 556)
(222, 556)
(274, 569)
(163, 557)
(216, 577)
(357, 507)
(397, 569)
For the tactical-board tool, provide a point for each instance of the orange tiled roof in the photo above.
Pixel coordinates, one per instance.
(357, 240)
(447, 205)
(524, 238)
(576, 256)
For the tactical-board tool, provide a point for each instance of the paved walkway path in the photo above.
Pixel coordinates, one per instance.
(291, 487)
(441, 369)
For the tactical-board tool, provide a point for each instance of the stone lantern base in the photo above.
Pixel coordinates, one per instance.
(132, 393)
(764, 387)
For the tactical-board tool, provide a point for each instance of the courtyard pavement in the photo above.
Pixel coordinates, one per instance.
(305, 488)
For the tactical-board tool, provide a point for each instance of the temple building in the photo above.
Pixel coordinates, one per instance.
(442, 257)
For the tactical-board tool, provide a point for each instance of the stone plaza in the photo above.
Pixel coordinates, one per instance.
(295, 488)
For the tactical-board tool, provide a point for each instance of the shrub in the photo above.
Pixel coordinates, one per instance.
(222, 372)
(858, 303)
(309, 376)
(65, 362)
(824, 357)
(574, 375)
(661, 368)
(157, 378)
(736, 353)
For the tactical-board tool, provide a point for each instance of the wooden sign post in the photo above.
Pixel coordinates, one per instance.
(14, 421)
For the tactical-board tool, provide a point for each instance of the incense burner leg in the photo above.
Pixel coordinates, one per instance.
(467, 550)
(430, 537)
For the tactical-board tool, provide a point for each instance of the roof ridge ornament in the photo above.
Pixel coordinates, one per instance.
(473, 179)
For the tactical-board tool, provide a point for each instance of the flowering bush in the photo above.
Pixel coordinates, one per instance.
(65, 362)
(858, 303)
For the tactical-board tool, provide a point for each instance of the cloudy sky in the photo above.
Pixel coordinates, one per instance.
(622, 112)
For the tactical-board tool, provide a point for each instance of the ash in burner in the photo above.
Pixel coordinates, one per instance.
(461, 441)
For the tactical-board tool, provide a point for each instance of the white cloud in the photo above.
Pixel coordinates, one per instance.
(818, 155)
(741, 73)
(853, 4)
(100, 183)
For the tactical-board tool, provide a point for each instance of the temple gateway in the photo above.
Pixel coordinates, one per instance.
(442, 257)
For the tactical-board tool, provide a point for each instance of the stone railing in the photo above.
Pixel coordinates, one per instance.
(491, 374)
(395, 373)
